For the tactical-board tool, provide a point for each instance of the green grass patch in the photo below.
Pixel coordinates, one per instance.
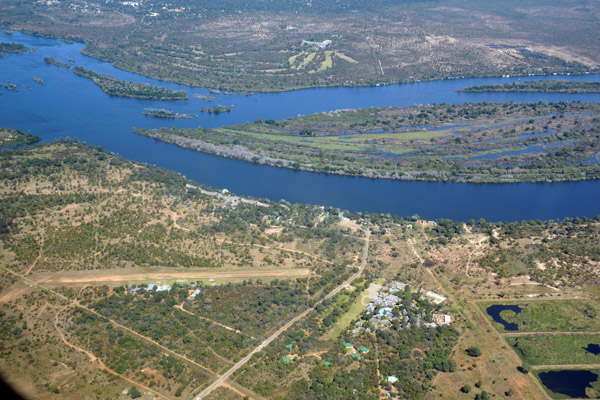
(553, 350)
(493, 151)
(355, 310)
(328, 63)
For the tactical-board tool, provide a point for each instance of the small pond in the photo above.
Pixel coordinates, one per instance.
(593, 348)
(569, 382)
(495, 310)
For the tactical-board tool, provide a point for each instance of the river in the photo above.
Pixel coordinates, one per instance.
(66, 105)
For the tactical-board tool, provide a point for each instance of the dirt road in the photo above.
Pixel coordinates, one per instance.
(284, 328)
(112, 276)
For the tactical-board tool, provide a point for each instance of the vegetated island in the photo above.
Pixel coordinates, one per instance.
(12, 137)
(204, 97)
(162, 113)
(219, 109)
(54, 61)
(551, 86)
(12, 47)
(479, 142)
(117, 87)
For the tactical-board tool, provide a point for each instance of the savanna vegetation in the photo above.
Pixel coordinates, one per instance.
(283, 45)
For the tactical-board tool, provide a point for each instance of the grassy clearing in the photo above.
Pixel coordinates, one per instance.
(555, 350)
(328, 63)
(494, 151)
(551, 316)
(355, 310)
(345, 57)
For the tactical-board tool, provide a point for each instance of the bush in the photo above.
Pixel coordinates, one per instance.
(473, 351)
(135, 393)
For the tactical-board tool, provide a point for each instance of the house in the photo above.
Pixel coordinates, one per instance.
(159, 288)
(392, 379)
(320, 45)
(363, 349)
(356, 356)
(286, 359)
(195, 293)
(348, 346)
(326, 363)
(435, 298)
(289, 346)
(442, 319)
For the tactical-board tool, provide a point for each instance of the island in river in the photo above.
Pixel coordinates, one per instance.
(551, 86)
(162, 113)
(117, 87)
(477, 142)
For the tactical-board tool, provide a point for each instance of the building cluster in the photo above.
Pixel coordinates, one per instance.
(387, 310)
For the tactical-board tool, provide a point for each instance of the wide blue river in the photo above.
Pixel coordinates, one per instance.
(68, 105)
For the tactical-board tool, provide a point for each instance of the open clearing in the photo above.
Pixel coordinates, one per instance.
(135, 275)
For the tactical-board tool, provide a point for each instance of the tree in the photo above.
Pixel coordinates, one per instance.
(135, 393)
(473, 351)
(482, 396)
(524, 368)
(179, 391)
(466, 388)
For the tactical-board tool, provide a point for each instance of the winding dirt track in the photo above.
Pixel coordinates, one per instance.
(96, 360)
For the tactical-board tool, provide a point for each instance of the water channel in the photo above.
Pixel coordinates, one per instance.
(66, 105)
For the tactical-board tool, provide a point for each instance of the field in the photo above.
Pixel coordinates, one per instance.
(551, 316)
(552, 338)
(555, 349)
(481, 142)
(292, 44)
